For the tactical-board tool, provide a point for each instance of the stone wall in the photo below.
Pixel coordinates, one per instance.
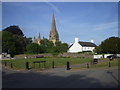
(72, 55)
(22, 56)
(76, 55)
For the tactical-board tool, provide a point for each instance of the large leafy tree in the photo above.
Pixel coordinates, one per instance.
(8, 43)
(46, 45)
(110, 45)
(13, 40)
(61, 47)
(32, 48)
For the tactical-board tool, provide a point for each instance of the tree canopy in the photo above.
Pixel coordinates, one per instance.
(110, 45)
(14, 42)
(14, 30)
(47, 46)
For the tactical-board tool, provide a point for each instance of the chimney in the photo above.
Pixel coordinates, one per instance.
(76, 40)
(92, 41)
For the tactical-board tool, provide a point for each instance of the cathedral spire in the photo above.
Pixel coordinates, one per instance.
(39, 39)
(39, 36)
(54, 37)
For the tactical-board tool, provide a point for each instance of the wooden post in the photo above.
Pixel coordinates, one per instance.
(53, 64)
(109, 64)
(11, 65)
(5, 63)
(27, 65)
(68, 65)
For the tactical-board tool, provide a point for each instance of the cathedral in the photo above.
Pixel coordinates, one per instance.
(54, 37)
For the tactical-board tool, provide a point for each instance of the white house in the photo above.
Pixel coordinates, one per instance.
(79, 46)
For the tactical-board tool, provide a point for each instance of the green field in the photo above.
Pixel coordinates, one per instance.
(20, 63)
(105, 64)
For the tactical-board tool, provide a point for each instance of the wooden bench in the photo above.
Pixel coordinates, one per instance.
(40, 63)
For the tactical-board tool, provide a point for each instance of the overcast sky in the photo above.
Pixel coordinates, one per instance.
(85, 20)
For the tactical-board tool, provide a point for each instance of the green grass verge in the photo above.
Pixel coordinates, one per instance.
(20, 63)
(113, 63)
(105, 64)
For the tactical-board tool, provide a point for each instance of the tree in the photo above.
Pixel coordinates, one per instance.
(32, 48)
(46, 45)
(61, 47)
(13, 40)
(110, 45)
(8, 43)
(14, 30)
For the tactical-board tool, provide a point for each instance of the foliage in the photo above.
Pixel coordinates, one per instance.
(61, 47)
(13, 41)
(46, 45)
(110, 45)
(14, 30)
(8, 43)
(32, 48)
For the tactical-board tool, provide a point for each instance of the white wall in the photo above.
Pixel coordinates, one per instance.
(88, 48)
(97, 56)
(75, 48)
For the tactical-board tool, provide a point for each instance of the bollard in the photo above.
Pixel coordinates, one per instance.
(11, 65)
(27, 65)
(5, 64)
(68, 66)
(87, 65)
(109, 64)
(53, 64)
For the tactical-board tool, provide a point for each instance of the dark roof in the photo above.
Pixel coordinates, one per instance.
(70, 46)
(87, 44)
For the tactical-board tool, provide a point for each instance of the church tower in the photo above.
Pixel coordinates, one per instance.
(54, 37)
(37, 40)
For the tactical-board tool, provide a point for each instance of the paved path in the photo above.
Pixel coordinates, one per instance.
(61, 78)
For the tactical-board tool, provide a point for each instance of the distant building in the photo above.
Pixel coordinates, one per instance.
(79, 46)
(37, 40)
(54, 37)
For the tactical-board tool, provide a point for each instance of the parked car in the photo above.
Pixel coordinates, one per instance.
(113, 56)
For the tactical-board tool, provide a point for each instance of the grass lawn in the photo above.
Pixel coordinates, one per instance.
(105, 64)
(21, 63)
(113, 63)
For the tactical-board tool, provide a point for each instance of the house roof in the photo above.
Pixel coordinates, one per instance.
(85, 44)
(70, 46)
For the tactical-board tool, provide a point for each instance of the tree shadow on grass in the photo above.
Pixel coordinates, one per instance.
(49, 80)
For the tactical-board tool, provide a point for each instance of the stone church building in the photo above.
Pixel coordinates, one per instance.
(54, 37)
